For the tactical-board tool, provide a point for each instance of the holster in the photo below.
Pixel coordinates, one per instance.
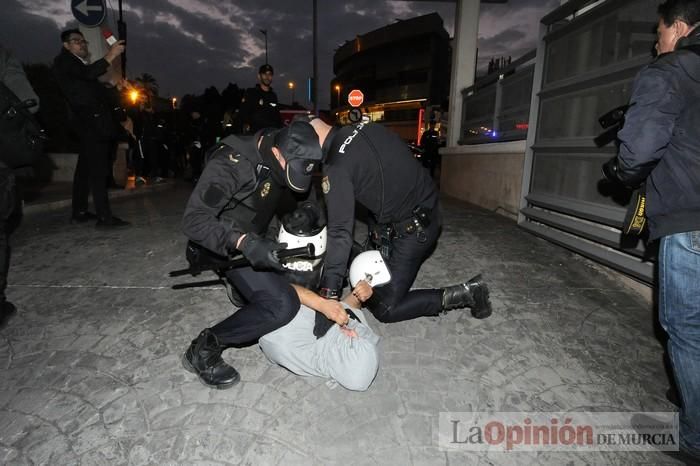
(635, 219)
(381, 235)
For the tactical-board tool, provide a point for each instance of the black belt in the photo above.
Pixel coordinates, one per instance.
(415, 224)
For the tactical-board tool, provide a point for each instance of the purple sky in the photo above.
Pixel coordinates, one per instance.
(191, 44)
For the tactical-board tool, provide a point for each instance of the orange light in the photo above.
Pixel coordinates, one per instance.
(419, 132)
(134, 96)
(291, 85)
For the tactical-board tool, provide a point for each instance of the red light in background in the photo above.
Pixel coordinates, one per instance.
(522, 126)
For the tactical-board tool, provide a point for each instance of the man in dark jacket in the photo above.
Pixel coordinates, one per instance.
(259, 107)
(94, 124)
(368, 164)
(660, 146)
(240, 191)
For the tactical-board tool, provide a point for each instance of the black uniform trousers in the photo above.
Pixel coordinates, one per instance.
(91, 174)
(394, 302)
(9, 204)
(271, 303)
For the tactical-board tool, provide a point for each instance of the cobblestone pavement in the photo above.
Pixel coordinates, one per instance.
(91, 372)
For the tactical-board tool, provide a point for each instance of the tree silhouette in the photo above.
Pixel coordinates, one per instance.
(148, 83)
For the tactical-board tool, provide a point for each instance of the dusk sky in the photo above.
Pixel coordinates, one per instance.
(191, 44)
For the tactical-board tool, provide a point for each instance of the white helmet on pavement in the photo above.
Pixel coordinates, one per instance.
(369, 266)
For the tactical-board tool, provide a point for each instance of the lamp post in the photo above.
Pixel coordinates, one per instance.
(174, 102)
(264, 33)
(291, 87)
(337, 90)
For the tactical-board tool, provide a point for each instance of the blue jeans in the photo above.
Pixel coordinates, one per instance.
(679, 313)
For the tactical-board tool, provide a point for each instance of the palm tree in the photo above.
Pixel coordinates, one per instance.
(148, 83)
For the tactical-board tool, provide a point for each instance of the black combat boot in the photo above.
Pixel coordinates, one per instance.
(473, 294)
(203, 358)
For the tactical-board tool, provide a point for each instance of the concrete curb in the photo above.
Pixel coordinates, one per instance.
(39, 207)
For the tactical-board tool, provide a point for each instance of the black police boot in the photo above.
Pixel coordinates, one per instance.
(7, 311)
(203, 358)
(473, 294)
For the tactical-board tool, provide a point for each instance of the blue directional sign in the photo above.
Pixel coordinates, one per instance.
(89, 12)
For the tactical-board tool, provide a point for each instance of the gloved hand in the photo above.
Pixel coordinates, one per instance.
(610, 170)
(261, 252)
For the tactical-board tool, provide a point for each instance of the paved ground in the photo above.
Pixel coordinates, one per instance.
(91, 373)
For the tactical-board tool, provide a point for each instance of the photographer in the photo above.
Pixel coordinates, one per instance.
(660, 147)
(94, 123)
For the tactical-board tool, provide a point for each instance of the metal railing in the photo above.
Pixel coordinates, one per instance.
(497, 107)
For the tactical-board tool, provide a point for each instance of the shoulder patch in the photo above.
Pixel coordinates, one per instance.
(234, 157)
(325, 185)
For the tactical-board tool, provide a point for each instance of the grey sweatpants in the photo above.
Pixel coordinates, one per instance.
(352, 362)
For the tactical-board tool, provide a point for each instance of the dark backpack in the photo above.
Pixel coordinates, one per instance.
(21, 137)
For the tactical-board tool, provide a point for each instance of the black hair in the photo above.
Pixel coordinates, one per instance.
(65, 35)
(687, 11)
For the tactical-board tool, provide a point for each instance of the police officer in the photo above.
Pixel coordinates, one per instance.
(430, 143)
(373, 166)
(228, 213)
(259, 107)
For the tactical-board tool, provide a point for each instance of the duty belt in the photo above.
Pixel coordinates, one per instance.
(416, 223)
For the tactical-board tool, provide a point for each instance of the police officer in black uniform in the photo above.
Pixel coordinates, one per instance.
(259, 106)
(229, 211)
(371, 165)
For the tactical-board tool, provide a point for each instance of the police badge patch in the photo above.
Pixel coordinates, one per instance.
(265, 189)
(325, 185)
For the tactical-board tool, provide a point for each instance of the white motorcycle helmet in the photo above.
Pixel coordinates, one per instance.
(370, 267)
(301, 227)
(298, 240)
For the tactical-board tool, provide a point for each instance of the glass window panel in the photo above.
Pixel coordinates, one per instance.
(619, 36)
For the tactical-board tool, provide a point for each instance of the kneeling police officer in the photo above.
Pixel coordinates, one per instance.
(371, 165)
(243, 184)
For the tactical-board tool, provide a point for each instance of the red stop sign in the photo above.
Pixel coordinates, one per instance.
(355, 98)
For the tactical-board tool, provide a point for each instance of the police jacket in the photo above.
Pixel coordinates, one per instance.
(371, 165)
(259, 109)
(237, 193)
(660, 141)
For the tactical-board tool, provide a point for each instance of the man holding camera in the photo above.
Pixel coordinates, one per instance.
(368, 164)
(660, 147)
(94, 123)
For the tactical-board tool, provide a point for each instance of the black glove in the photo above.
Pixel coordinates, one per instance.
(610, 170)
(262, 252)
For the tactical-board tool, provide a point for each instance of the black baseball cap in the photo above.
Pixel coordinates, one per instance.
(266, 68)
(301, 150)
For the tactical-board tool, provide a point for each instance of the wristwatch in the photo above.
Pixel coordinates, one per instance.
(329, 293)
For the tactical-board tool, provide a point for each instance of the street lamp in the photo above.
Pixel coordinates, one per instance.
(264, 33)
(174, 101)
(291, 87)
(134, 96)
(337, 90)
